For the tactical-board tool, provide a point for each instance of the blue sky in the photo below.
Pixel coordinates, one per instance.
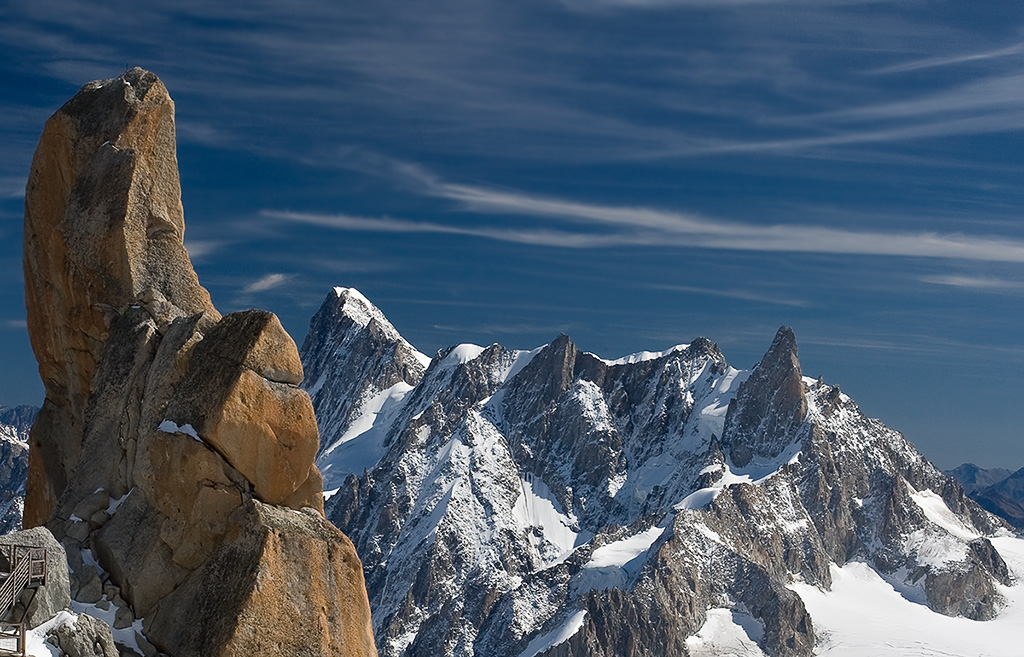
(634, 173)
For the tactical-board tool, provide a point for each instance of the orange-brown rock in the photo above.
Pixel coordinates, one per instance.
(174, 445)
(241, 398)
(103, 226)
(291, 578)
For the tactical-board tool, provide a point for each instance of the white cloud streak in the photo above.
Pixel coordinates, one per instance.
(640, 226)
(268, 282)
(983, 283)
(952, 60)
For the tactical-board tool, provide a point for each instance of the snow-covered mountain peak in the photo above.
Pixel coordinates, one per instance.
(551, 502)
(357, 366)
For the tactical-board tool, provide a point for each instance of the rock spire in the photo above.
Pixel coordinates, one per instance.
(174, 445)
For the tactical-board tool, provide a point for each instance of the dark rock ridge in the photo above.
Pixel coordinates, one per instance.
(997, 490)
(15, 424)
(555, 503)
(171, 438)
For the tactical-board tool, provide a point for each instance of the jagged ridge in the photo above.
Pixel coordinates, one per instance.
(551, 502)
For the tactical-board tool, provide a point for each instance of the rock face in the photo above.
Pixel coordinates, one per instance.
(15, 424)
(551, 502)
(163, 421)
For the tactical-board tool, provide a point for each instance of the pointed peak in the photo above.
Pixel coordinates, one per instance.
(350, 302)
(561, 342)
(784, 339)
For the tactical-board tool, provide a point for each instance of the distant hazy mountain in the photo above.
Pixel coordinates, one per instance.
(15, 424)
(998, 490)
(550, 502)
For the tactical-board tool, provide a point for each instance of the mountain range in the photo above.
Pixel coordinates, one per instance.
(551, 502)
(998, 490)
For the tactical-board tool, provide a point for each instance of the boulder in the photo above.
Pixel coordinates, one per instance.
(38, 606)
(85, 637)
(282, 583)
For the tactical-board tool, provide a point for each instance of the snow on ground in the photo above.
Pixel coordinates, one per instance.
(622, 552)
(464, 353)
(571, 626)
(937, 511)
(727, 633)
(864, 616)
(35, 640)
(756, 472)
(523, 359)
(613, 565)
(167, 426)
(125, 636)
(641, 356)
(362, 444)
(537, 507)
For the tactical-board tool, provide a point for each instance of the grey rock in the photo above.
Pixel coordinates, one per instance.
(123, 618)
(42, 604)
(349, 332)
(78, 530)
(90, 586)
(92, 504)
(86, 637)
(769, 407)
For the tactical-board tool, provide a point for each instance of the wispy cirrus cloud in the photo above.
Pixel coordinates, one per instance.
(586, 225)
(268, 282)
(982, 283)
(733, 293)
(951, 60)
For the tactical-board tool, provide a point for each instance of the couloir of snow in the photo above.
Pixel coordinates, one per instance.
(537, 508)
(362, 444)
(559, 635)
(622, 552)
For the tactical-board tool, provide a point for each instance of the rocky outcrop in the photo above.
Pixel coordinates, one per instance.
(163, 421)
(769, 406)
(85, 636)
(224, 607)
(37, 606)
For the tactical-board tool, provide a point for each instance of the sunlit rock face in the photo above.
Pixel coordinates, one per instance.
(167, 429)
(550, 502)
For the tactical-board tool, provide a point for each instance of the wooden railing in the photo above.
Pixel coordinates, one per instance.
(26, 569)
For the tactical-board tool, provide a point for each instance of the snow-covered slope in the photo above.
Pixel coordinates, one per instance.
(549, 502)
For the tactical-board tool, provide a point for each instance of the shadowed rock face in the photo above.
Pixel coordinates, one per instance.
(769, 406)
(163, 420)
